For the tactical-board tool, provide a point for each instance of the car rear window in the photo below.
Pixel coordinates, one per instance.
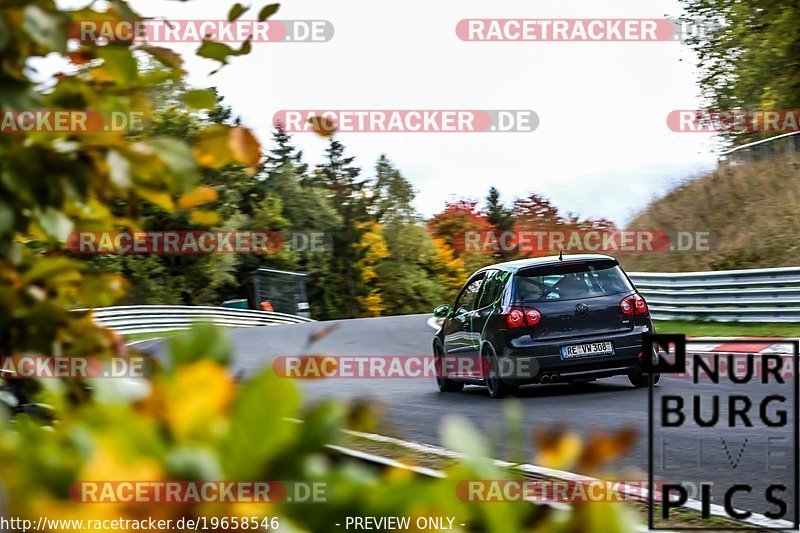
(569, 281)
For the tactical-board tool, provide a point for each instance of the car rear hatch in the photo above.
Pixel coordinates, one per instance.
(574, 299)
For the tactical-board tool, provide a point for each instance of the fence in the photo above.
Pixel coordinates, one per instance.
(158, 318)
(787, 144)
(759, 295)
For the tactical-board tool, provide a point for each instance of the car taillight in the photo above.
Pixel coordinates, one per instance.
(634, 305)
(515, 318)
(518, 317)
(640, 305)
(532, 316)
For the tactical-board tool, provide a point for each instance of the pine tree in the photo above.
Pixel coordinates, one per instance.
(284, 153)
(340, 178)
(392, 194)
(498, 215)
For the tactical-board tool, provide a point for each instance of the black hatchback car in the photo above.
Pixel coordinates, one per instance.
(542, 320)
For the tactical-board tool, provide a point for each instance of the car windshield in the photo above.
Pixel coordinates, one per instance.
(568, 281)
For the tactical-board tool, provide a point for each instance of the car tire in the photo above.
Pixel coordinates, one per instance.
(444, 384)
(640, 379)
(494, 382)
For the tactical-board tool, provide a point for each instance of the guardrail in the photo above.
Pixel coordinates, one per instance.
(158, 318)
(758, 295)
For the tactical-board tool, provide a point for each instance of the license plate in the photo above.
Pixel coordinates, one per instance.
(586, 350)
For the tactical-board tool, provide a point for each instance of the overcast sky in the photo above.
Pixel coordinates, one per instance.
(602, 148)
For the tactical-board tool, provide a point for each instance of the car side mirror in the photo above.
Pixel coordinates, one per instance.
(443, 311)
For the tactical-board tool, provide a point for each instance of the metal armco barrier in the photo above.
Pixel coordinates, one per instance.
(157, 318)
(758, 295)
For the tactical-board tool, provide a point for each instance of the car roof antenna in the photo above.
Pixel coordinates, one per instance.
(561, 254)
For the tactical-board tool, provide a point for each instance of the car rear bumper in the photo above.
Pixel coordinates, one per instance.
(541, 361)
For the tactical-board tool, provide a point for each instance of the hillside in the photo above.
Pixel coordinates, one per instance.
(750, 209)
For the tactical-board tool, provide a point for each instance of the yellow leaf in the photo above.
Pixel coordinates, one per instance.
(602, 447)
(211, 148)
(200, 394)
(558, 449)
(204, 218)
(199, 195)
(158, 198)
(322, 126)
(245, 147)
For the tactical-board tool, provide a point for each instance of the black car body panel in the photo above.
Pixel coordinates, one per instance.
(578, 301)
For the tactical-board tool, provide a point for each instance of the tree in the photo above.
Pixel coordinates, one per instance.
(285, 153)
(371, 249)
(459, 220)
(340, 178)
(391, 194)
(497, 214)
(747, 53)
(56, 183)
(536, 212)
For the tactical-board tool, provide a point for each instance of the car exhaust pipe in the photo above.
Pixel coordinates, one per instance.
(555, 378)
(545, 378)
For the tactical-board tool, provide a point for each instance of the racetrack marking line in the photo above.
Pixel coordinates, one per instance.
(134, 343)
(430, 472)
(364, 456)
(433, 322)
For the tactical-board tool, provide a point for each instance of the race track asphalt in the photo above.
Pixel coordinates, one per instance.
(413, 408)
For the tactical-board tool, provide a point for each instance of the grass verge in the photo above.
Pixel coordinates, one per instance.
(154, 335)
(727, 329)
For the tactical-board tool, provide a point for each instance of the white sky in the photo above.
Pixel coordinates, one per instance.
(602, 147)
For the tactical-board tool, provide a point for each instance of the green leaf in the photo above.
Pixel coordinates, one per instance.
(216, 51)
(6, 218)
(119, 169)
(200, 99)
(259, 427)
(193, 464)
(236, 11)
(460, 435)
(49, 268)
(178, 158)
(267, 11)
(204, 341)
(165, 56)
(55, 223)
(120, 63)
(19, 95)
(4, 32)
(46, 28)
